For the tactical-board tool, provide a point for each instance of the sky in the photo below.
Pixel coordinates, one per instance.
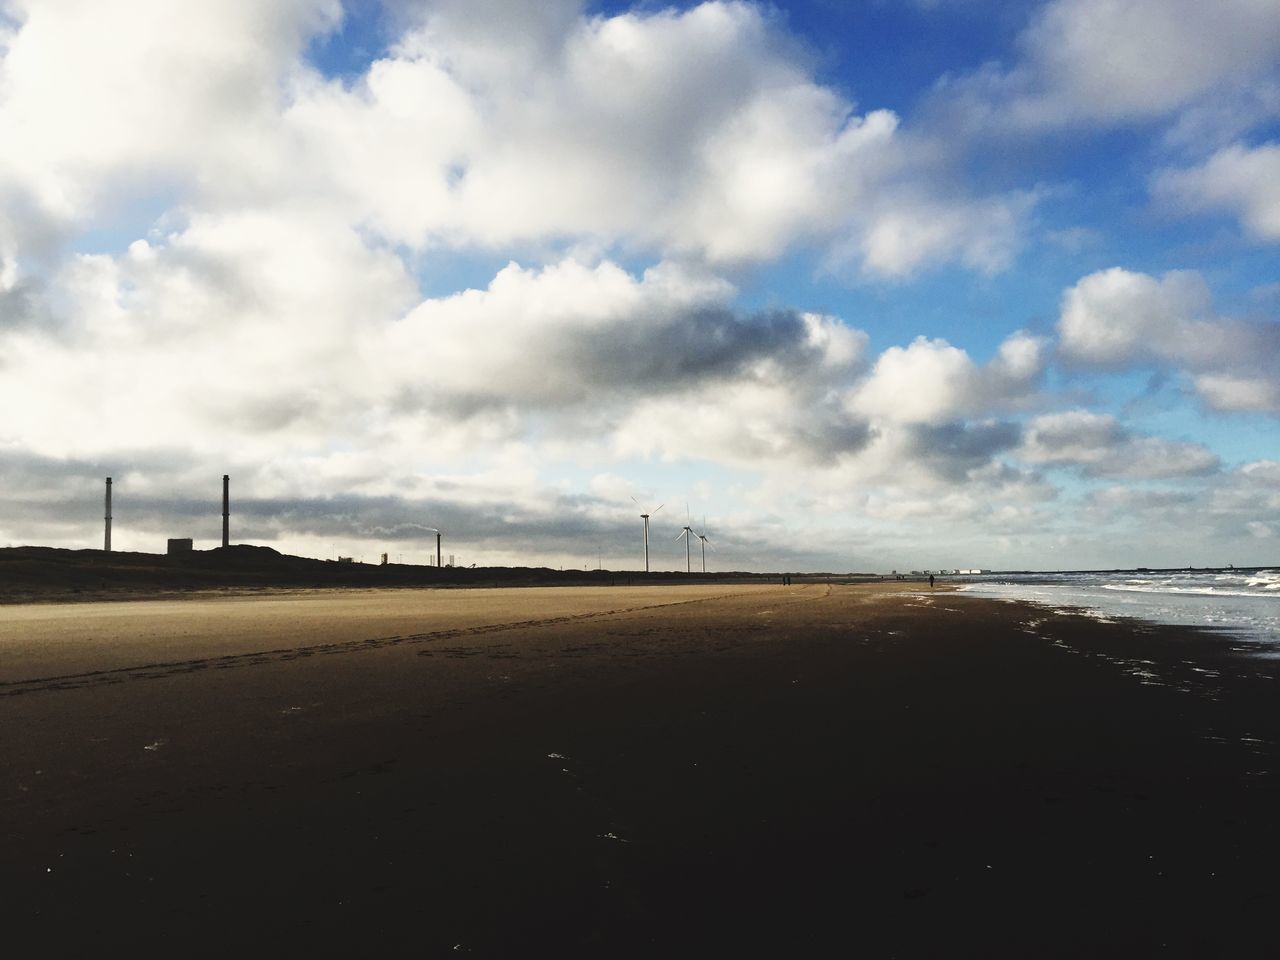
(844, 286)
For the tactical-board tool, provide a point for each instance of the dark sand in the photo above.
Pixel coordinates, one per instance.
(700, 771)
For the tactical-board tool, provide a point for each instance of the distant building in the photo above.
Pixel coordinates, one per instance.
(179, 545)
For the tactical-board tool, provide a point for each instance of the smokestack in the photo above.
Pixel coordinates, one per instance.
(226, 510)
(106, 540)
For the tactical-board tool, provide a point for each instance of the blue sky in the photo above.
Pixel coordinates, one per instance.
(872, 286)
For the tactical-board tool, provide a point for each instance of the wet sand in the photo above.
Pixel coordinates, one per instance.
(655, 771)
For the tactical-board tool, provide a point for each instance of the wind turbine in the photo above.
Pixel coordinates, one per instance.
(705, 541)
(686, 533)
(645, 517)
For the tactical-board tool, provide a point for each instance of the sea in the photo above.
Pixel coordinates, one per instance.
(1243, 603)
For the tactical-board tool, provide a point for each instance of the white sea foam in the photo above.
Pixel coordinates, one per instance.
(1244, 603)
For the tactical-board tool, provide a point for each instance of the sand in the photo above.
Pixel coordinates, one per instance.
(654, 771)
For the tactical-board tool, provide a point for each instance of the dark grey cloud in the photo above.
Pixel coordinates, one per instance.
(566, 376)
(952, 450)
(34, 484)
(576, 526)
(31, 474)
(21, 306)
(822, 436)
(706, 343)
(637, 356)
(1062, 436)
(44, 499)
(387, 520)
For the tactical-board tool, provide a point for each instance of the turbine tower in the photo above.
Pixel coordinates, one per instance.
(226, 510)
(704, 539)
(645, 517)
(687, 534)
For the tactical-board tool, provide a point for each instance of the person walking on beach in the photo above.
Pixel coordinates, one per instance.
(931, 581)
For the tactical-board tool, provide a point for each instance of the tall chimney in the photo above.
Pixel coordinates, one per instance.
(226, 510)
(106, 540)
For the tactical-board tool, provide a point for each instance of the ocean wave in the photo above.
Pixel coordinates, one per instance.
(1205, 591)
(1246, 604)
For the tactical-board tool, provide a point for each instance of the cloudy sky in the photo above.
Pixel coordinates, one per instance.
(869, 286)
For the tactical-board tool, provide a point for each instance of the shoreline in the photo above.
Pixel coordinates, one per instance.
(873, 769)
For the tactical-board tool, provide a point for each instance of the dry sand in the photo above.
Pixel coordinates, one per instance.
(632, 772)
(44, 639)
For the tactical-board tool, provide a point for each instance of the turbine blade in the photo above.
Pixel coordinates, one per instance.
(637, 502)
(660, 506)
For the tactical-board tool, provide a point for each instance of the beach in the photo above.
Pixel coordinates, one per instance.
(695, 770)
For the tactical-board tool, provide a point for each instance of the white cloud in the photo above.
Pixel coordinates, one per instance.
(596, 337)
(477, 127)
(1224, 391)
(96, 96)
(1249, 493)
(1101, 447)
(1214, 523)
(1117, 61)
(241, 331)
(237, 328)
(1136, 58)
(1225, 117)
(1243, 181)
(661, 130)
(900, 236)
(691, 133)
(1247, 501)
(696, 133)
(1117, 318)
(1074, 437)
(931, 381)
